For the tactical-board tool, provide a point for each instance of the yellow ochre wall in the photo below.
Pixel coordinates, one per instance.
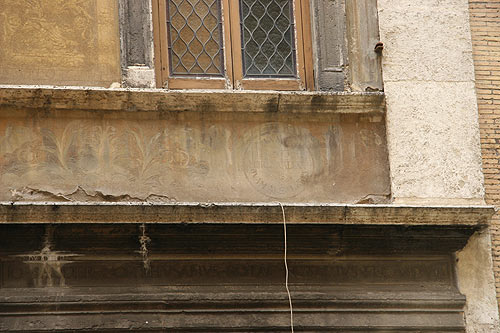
(59, 42)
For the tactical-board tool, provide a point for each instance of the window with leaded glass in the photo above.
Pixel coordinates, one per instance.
(239, 44)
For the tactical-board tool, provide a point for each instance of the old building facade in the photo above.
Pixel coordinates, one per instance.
(180, 165)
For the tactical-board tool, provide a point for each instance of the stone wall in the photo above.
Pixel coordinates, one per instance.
(166, 147)
(485, 28)
(432, 127)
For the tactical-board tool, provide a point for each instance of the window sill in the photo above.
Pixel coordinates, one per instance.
(159, 100)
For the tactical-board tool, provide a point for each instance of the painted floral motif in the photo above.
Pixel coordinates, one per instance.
(33, 30)
(97, 158)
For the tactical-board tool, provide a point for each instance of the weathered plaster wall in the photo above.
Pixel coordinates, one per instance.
(196, 156)
(432, 125)
(59, 42)
(476, 282)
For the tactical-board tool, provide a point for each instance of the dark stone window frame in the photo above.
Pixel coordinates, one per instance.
(136, 43)
(344, 34)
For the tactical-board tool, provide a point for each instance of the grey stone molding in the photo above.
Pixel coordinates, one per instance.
(211, 311)
(221, 278)
(269, 213)
(135, 100)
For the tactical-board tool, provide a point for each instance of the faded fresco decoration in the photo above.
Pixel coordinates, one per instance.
(60, 42)
(196, 158)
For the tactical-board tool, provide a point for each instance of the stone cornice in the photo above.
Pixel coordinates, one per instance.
(269, 213)
(158, 100)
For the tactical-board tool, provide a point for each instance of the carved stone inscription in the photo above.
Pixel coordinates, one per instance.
(78, 156)
(230, 272)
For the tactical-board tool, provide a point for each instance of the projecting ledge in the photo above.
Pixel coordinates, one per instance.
(160, 100)
(120, 212)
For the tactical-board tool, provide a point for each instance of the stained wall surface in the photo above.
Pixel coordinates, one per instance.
(59, 42)
(191, 156)
(432, 126)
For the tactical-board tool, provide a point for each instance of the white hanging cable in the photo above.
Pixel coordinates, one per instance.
(286, 268)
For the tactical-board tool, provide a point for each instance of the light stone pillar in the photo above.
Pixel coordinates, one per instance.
(432, 122)
(477, 283)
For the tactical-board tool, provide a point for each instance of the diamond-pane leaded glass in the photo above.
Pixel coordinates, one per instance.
(267, 38)
(195, 37)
